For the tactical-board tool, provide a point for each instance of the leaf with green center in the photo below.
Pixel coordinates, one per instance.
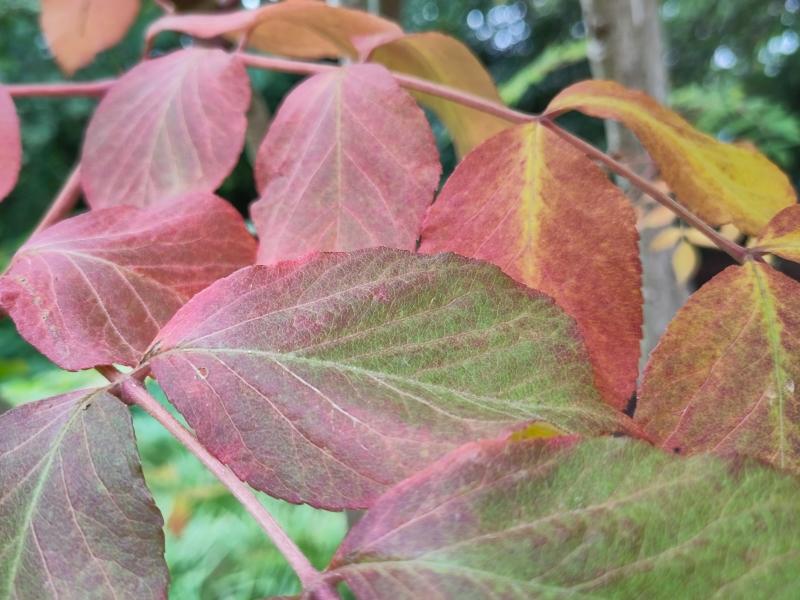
(443, 59)
(536, 207)
(603, 518)
(169, 126)
(782, 235)
(10, 144)
(95, 289)
(349, 162)
(76, 519)
(723, 183)
(329, 379)
(722, 378)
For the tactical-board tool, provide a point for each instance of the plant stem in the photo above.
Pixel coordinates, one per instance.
(133, 392)
(283, 65)
(59, 90)
(407, 81)
(737, 252)
(65, 201)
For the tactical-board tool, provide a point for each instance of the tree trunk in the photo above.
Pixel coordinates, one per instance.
(626, 44)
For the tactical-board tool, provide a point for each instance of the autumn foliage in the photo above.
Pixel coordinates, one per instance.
(459, 360)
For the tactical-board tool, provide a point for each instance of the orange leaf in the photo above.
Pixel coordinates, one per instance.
(723, 377)
(536, 207)
(76, 30)
(301, 29)
(443, 59)
(720, 182)
(782, 235)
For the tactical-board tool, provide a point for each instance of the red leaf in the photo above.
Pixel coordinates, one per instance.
(76, 519)
(536, 207)
(76, 30)
(169, 126)
(10, 144)
(329, 379)
(723, 377)
(349, 162)
(95, 289)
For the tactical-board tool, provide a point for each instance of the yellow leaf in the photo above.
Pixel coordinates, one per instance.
(698, 238)
(443, 59)
(666, 239)
(722, 183)
(685, 261)
(660, 216)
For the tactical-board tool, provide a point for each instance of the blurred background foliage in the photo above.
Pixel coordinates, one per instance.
(735, 73)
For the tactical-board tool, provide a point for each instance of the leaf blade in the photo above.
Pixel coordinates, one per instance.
(722, 379)
(96, 289)
(443, 59)
(520, 201)
(10, 144)
(723, 183)
(77, 30)
(352, 185)
(169, 126)
(362, 367)
(77, 518)
(561, 518)
(782, 235)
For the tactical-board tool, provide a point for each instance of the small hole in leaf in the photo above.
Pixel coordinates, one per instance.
(676, 450)
(203, 372)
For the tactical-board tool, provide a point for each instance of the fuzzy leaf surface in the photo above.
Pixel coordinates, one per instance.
(782, 235)
(169, 126)
(723, 377)
(96, 289)
(76, 30)
(76, 519)
(306, 29)
(723, 183)
(329, 379)
(536, 207)
(10, 144)
(349, 162)
(443, 59)
(603, 518)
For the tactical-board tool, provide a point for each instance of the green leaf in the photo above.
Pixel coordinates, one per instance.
(603, 518)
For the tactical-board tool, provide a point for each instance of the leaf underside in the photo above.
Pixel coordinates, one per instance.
(329, 379)
(76, 519)
(603, 518)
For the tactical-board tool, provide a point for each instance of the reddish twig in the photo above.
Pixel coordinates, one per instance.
(64, 203)
(59, 90)
(133, 392)
(416, 84)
